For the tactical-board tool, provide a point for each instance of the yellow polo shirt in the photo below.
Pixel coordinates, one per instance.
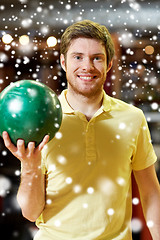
(88, 169)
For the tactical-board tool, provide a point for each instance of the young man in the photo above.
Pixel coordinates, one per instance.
(81, 186)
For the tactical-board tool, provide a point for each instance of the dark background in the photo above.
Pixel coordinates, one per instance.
(134, 78)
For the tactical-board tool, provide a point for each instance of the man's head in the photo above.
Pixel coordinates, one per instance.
(87, 29)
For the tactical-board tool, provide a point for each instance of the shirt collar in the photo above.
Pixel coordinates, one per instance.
(106, 104)
(66, 108)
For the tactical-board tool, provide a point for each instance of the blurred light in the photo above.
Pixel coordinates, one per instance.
(153, 80)
(85, 205)
(110, 211)
(68, 6)
(26, 49)
(68, 180)
(3, 57)
(150, 224)
(51, 41)
(57, 223)
(149, 50)
(7, 38)
(26, 22)
(90, 190)
(134, 5)
(135, 201)
(33, 230)
(5, 185)
(24, 40)
(58, 135)
(4, 152)
(61, 159)
(48, 201)
(51, 7)
(23, 1)
(136, 225)
(120, 180)
(126, 39)
(39, 9)
(14, 202)
(154, 106)
(106, 186)
(44, 29)
(158, 64)
(17, 172)
(77, 188)
(15, 105)
(2, 7)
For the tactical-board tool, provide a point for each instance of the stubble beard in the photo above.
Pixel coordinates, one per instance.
(89, 92)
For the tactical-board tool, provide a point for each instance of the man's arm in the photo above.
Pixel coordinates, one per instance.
(31, 193)
(149, 190)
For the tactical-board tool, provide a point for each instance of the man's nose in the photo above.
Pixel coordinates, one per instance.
(87, 64)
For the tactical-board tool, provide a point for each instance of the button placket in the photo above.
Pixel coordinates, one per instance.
(90, 142)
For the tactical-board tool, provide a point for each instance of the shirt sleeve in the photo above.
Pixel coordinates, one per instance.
(144, 154)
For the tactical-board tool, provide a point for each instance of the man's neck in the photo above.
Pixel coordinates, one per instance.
(86, 105)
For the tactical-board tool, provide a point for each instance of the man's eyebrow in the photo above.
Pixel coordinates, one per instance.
(94, 54)
(74, 53)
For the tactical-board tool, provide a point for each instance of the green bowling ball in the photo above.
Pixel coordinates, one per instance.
(29, 110)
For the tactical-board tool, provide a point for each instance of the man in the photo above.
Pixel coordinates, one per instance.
(81, 186)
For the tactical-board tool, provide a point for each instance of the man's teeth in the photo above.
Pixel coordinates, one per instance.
(85, 78)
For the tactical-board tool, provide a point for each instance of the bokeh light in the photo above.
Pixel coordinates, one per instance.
(7, 39)
(149, 49)
(24, 40)
(51, 41)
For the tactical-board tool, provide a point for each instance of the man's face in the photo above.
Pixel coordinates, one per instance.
(85, 66)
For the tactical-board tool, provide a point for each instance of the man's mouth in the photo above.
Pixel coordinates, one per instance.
(86, 78)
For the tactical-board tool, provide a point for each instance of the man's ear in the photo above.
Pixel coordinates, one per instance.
(110, 65)
(63, 62)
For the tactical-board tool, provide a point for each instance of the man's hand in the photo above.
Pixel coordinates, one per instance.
(28, 156)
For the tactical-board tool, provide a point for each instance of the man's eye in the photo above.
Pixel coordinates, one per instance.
(77, 57)
(97, 58)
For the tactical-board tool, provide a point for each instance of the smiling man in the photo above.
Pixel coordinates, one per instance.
(79, 188)
(86, 71)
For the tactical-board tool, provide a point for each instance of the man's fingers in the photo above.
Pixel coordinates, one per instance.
(31, 148)
(8, 143)
(45, 140)
(20, 151)
(21, 146)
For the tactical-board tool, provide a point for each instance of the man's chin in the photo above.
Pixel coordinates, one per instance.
(88, 92)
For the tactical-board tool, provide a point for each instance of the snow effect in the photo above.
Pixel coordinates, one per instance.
(135, 78)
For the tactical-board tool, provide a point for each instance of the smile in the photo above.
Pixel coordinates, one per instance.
(86, 78)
